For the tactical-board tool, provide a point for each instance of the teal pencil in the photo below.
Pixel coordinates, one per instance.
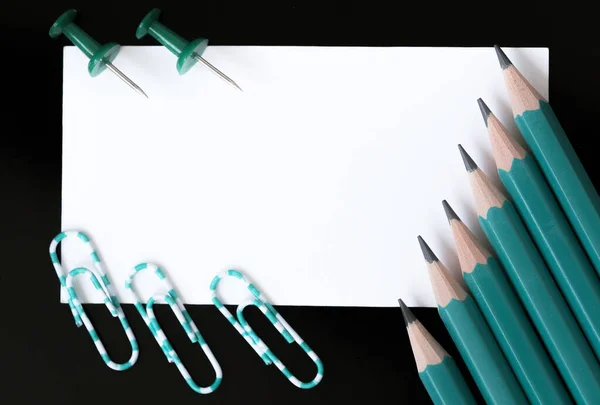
(536, 288)
(438, 371)
(506, 317)
(472, 336)
(549, 228)
(557, 158)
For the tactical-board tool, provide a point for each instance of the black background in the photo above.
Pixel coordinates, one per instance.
(367, 356)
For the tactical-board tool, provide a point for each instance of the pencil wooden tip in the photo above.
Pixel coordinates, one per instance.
(406, 313)
(485, 111)
(450, 214)
(502, 58)
(504, 146)
(469, 163)
(429, 256)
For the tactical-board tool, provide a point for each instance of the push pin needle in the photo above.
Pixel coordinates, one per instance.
(126, 79)
(101, 56)
(188, 53)
(217, 71)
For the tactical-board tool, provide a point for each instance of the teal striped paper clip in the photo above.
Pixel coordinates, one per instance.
(102, 283)
(275, 318)
(171, 298)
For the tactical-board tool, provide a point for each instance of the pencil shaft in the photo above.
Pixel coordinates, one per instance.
(565, 173)
(445, 384)
(516, 336)
(559, 246)
(544, 303)
(481, 353)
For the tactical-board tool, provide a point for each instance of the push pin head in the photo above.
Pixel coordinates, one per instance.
(101, 56)
(188, 53)
(185, 51)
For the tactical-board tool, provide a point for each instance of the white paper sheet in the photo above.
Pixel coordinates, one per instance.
(314, 181)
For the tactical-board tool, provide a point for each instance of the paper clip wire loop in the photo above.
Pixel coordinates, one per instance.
(102, 283)
(171, 298)
(275, 318)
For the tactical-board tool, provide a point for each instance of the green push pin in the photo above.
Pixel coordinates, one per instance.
(188, 53)
(101, 56)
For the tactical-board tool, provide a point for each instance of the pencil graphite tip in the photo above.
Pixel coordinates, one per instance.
(502, 58)
(429, 256)
(450, 214)
(406, 313)
(485, 111)
(469, 163)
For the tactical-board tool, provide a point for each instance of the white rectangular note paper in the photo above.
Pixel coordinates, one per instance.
(314, 181)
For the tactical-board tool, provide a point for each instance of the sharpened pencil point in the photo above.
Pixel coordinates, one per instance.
(429, 256)
(485, 111)
(450, 214)
(502, 58)
(469, 163)
(406, 313)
